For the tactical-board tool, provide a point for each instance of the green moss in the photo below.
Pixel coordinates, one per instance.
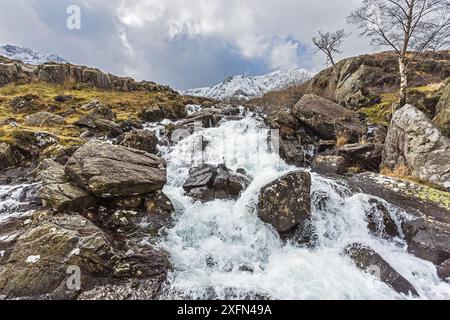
(381, 113)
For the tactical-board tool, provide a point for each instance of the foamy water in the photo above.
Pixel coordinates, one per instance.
(223, 250)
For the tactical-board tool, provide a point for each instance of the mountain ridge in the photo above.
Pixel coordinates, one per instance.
(28, 55)
(244, 87)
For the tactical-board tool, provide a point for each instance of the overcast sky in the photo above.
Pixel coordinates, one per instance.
(183, 43)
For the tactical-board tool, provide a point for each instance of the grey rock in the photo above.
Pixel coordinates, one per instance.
(107, 170)
(414, 141)
(286, 202)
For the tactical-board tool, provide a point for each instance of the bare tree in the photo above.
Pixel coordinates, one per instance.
(329, 43)
(410, 27)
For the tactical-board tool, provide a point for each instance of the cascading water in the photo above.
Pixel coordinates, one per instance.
(16, 198)
(223, 250)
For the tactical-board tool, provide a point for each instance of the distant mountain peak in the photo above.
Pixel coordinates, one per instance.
(244, 87)
(28, 55)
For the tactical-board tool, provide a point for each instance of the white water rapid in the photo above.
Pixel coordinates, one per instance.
(223, 250)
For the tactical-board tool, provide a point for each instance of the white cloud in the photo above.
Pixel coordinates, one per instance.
(181, 42)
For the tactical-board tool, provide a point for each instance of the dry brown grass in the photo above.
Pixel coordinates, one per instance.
(342, 139)
(401, 171)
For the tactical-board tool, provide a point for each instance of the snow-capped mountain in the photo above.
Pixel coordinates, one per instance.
(27, 55)
(242, 87)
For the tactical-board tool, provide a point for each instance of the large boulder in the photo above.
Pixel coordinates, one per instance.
(44, 254)
(327, 118)
(367, 259)
(207, 183)
(139, 139)
(414, 142)
(44, 119)
(107, 170)
(57, 192)
(286, 202)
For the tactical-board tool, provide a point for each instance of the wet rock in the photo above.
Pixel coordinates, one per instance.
(107, 170)
(47, 250)
(444, 270)
(44, 119)
(367, 259)
(428, 239)
(329, 165)
(139, 139)
(208, 118)
(415, 143)
(327, 118)
(380, 220)
(209, 183)
(134, 289)
(57, 192)
(9, 156)
(366, 156)
(286, 202)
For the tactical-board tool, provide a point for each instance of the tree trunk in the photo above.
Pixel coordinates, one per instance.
(403, 82)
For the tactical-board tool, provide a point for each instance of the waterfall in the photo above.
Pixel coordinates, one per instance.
(222, 250)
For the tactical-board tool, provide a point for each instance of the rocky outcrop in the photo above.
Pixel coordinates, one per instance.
(107, 170)
(413, 141)
(66, 73)
(207, 183)
(11, 72)
(352, 91)
(327, 118)
(367, 259)
(380, 221)
(286, 202)
(59, 256)
(44, 119)
(139, 139)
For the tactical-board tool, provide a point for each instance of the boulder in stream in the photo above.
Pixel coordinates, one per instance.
(286, 202)
(367, 259)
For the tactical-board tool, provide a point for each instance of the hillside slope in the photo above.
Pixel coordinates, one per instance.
(369, 84)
